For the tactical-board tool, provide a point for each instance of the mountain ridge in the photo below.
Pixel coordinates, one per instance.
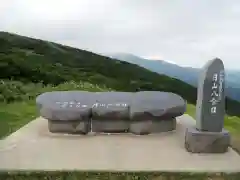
(187, 74)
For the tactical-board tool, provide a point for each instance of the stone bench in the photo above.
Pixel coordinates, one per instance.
(110, 112)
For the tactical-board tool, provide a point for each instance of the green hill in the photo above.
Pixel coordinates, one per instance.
(29, 60)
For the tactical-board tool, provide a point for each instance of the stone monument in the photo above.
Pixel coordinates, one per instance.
(82, 112)
(209, 136)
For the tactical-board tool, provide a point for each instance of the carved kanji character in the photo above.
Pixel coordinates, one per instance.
(71, 102)
(213, 110)
(215, 77)
(214, 93)
(124, 105)
(64, 104)
(109, 105)
(214, 101)
(95, 105)
(214, 86)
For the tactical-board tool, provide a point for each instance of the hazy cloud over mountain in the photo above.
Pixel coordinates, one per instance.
(184, 31)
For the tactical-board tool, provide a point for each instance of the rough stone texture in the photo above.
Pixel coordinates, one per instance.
(111, 112)
(211, 97)
(143, 127)
(71, 127)
(154, 105)
(208, 136)
(206, 142)
(81, 112)
(66, 106)
(110, 126)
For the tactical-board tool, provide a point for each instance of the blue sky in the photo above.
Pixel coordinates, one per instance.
(185, 32)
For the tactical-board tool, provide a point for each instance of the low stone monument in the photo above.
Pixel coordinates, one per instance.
(81, 112)
(209, 136)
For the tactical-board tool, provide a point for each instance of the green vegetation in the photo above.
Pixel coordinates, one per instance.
(118, 176)
(232, 123)
(29, 67)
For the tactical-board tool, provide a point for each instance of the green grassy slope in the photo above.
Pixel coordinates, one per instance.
(29, 60)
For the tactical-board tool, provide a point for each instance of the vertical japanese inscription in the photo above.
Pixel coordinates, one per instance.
(214, 94)
(217, 88)
(211, 97)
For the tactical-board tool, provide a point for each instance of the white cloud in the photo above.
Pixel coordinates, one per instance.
(182, 31)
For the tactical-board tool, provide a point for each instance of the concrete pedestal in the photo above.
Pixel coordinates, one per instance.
(34, 148)
(206, 142)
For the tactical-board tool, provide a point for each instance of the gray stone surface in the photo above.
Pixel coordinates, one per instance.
(143, 127)
(154, 105)
(206, 142)
(209, 136)
(67, 111)
(210, 108)
(111, 112)
(71, 127)
(110, 126)
(140, 113)
(66, 105)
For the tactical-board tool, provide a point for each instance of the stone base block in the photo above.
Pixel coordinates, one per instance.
(71, 127)
(206, 142)
(152, 126)
(110, 126)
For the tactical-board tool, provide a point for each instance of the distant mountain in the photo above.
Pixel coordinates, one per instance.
(186, 74)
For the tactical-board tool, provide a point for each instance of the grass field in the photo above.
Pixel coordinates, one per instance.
(117, 176)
